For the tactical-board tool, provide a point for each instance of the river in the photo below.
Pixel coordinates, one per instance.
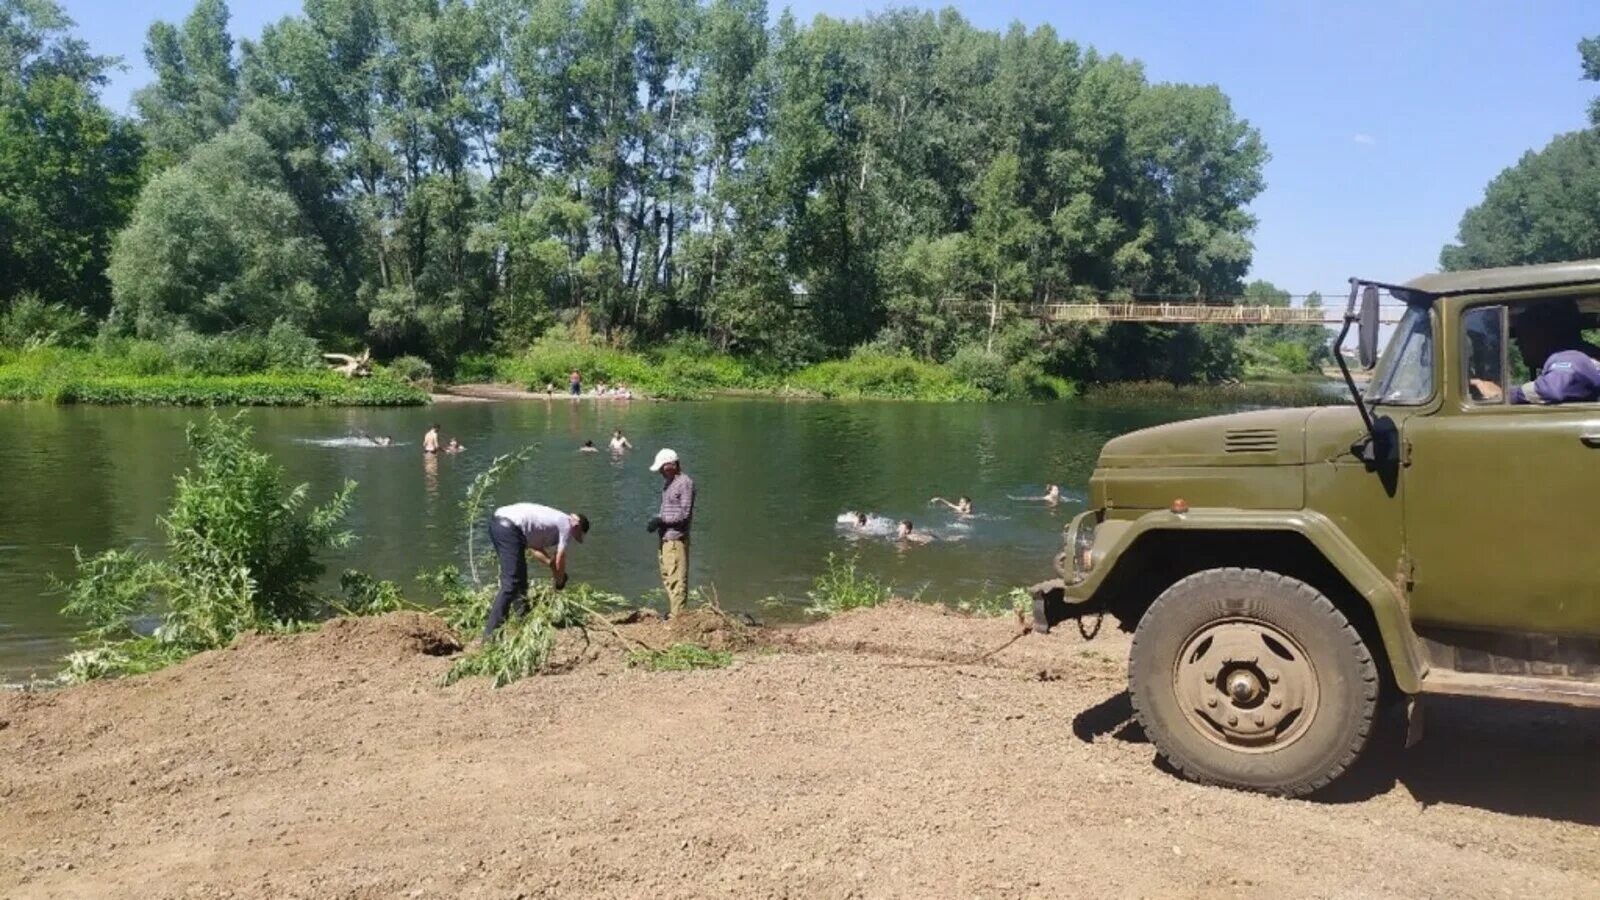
(773, 477)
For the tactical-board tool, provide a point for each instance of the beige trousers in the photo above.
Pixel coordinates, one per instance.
(675, 573)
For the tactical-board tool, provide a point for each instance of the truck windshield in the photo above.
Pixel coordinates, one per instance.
(1404, 376)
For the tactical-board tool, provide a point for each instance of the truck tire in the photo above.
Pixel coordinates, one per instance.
(1252, 680)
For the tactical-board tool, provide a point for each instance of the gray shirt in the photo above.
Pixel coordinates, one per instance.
(677, 508)
(541, 526)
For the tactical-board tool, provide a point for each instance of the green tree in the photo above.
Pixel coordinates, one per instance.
(217, 244)
(1546, 208)
(196, 93)
(68, 168)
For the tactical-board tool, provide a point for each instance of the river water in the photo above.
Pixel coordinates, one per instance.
(773, 478)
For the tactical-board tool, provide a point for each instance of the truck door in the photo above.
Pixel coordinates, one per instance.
(1502, 501)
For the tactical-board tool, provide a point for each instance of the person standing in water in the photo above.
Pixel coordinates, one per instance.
(430, 441)
(671, 525)
(619, 443)
(521, 530)
(962, 506)
(575, 383)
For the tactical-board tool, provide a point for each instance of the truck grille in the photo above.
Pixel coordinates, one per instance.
(1250, 440)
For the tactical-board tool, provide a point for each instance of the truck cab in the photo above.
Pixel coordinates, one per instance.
(1284, 570)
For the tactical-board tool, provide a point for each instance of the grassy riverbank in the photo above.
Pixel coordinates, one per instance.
(146, 373)
(686, 370)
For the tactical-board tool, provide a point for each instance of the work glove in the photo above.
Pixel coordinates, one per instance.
(654, 525)
(560, 580)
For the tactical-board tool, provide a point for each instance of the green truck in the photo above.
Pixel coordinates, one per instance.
(1287, 573)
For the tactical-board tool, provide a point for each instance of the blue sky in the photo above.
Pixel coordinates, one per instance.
(1385, 120)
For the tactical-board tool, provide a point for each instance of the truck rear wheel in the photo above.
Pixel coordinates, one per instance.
(1253, 680)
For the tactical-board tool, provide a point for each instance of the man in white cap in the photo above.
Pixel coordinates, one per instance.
(672, 525)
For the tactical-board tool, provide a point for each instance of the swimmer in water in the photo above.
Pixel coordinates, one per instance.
(907, 534)
(1052, 495)
(962, 506)
(454, 446)
(430, 441)
(588, 447)
(619, 442)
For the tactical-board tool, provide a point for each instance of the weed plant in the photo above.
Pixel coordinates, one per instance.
(843, 586)
(679, 658)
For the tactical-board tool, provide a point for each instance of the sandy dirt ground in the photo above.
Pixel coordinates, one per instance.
(880, 754)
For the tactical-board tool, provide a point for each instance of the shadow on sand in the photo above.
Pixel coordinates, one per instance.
(1520, 759)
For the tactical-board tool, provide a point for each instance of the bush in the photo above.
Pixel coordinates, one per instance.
(30, 323)
(978, 368)
(870, 374)
(241, 552)
(843, 587)
(412, 370)
(288, 349)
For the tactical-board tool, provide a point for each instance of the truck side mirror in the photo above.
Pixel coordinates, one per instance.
(1367, 328)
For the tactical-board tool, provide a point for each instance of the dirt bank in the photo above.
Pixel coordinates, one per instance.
(873, 755)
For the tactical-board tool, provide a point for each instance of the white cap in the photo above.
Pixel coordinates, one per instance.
(663, 456)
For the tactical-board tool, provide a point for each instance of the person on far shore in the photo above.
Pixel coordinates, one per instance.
(588, 447)
(549, 387)
(962, 506)
(430, 441)
(521, 530)
(671, 525)
(575, 383)
(907, 534)
(620, 442)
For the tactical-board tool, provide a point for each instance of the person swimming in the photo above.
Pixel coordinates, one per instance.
(620, 442)
(962, 506)
(861, 521)
(588, 447)
(907, 533)
(454, 446)
(1052, 495)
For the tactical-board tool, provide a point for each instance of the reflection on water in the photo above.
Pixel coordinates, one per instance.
(773, 478)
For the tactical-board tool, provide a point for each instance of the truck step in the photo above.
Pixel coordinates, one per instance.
(1562, 691)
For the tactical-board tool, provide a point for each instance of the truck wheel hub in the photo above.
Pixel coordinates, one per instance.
(1246, 685)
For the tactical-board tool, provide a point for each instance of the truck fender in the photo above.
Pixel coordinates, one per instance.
(1408, 659)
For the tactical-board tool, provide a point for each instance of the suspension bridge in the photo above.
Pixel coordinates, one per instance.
(1199, 313)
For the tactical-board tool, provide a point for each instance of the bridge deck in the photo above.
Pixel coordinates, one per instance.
(1200, 313)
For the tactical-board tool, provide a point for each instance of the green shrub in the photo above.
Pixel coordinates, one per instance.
(475, 367)
(288, 349)
(29, 323)
(368, 596)
(870, 374)
(843, 587)
(981, 369)
(412, 370)
(242, 552)
(679, 658)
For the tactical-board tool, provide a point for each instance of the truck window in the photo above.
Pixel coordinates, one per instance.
(1404, 376)
(1484, 355)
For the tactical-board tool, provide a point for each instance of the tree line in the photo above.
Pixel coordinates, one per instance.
(1546, 208)
(441, 177)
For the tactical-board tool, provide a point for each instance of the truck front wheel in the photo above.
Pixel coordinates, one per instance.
(1252, 680)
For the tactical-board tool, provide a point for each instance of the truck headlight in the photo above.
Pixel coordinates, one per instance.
(1081, 544)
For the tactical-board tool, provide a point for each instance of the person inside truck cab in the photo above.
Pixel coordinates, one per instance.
(1550, 337)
